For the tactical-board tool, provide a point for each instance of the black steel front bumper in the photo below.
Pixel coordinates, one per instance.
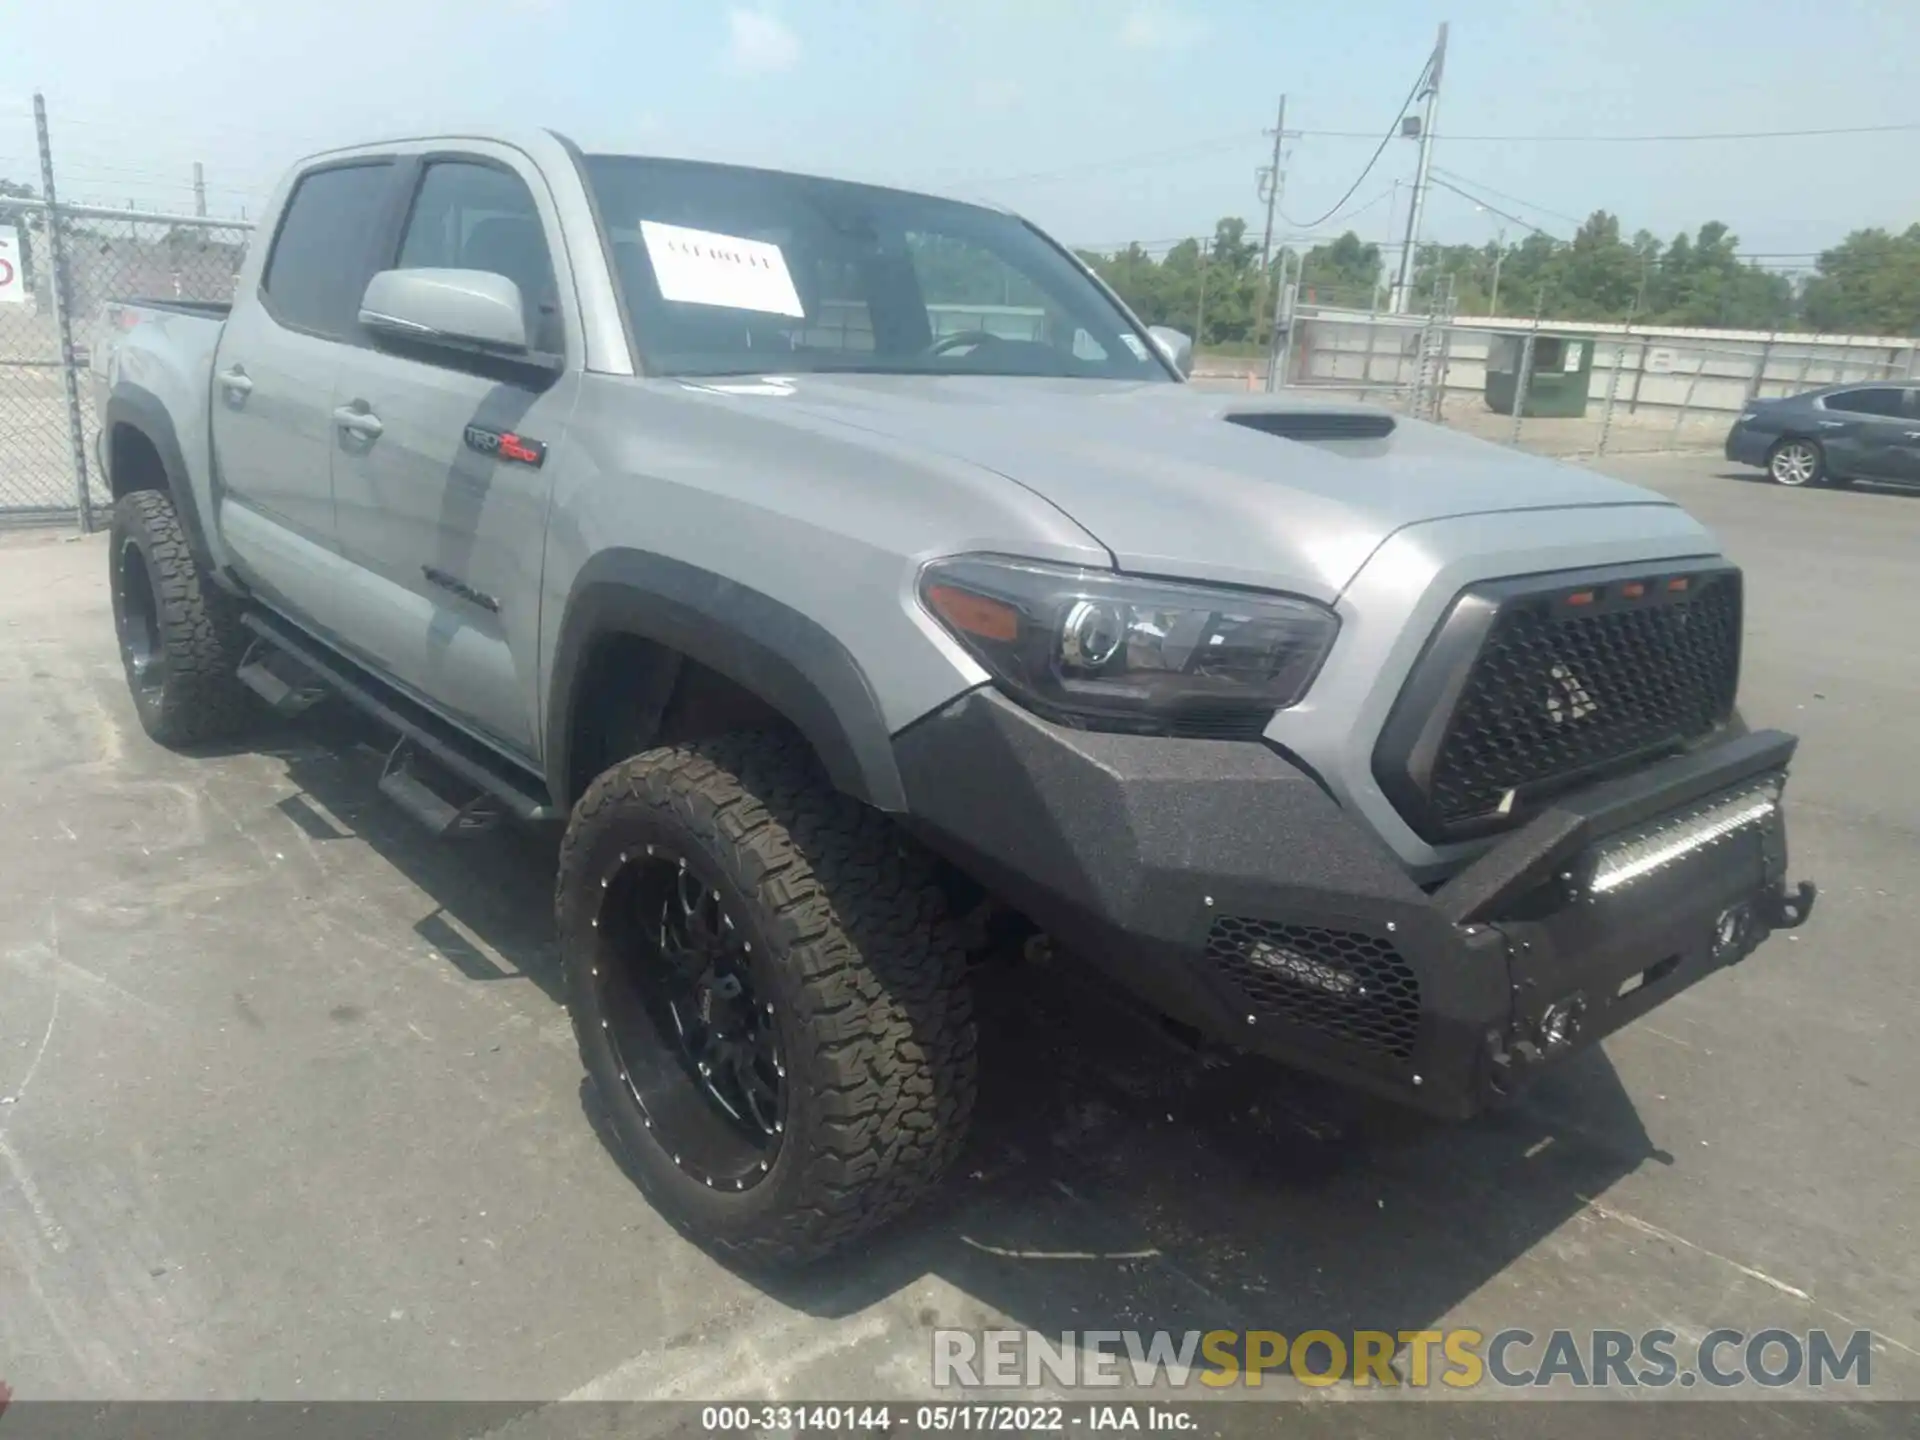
(1221, 883)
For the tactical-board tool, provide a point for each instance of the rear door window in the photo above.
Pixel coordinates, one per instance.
(322, 256)
(1872, 400)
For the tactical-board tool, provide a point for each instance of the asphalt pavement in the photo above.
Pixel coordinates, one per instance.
(289, 1107)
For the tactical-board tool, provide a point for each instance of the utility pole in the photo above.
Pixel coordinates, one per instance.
(1435, 64)
(199, 189)
(1499, 255)
(1381, 282)
(1270, 183)
(1200, 311)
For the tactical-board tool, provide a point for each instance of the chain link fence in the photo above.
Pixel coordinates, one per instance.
(1559, 388)
(69, 262)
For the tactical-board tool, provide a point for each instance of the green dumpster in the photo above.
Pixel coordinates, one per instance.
(1562, 371)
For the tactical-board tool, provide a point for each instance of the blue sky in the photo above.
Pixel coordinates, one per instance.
(1047, 105)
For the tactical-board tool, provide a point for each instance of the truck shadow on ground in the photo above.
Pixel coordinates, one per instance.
(1118, 1181)
(1114, 1178)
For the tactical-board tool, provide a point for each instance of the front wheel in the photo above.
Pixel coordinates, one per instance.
(768, 996)
(1796, 463)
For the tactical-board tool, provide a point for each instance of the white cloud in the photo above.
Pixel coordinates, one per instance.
(759, 43)
(1153, 26)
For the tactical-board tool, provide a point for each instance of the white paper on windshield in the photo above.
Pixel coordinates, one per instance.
(700, 267)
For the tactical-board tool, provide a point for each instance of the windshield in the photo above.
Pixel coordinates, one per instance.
(731, 271)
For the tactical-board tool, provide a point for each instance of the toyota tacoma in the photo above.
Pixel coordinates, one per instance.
(840, 565)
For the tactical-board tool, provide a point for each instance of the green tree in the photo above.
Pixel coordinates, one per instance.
(1869, 284)
(1343, 272)
(1700, 280)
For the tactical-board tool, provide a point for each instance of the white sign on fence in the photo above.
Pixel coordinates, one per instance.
(1662, 361)
(13, 283)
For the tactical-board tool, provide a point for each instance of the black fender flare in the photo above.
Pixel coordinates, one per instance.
(140, 409)
(759, 643)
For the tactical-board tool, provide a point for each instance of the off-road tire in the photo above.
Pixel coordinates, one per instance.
(180, 634)
(865, 971)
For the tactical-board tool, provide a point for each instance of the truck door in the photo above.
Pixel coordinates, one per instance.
(273, 376)
(440, 479)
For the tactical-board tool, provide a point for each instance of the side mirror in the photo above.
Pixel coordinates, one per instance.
(472, 310)
(1176, 345)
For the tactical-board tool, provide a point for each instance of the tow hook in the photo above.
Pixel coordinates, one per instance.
(1780, 911)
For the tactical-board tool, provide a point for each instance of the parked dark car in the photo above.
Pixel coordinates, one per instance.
(1833, 436)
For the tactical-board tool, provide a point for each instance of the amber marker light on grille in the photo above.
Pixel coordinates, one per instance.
(1678, 583)
(1633, 589)
(1580, 597)
(976, 614)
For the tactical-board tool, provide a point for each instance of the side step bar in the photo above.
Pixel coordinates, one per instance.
(423, 736)
(408, 780)
(263, 671)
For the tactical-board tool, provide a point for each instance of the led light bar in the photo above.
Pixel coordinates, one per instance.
(1637, 858)
(1291, 964)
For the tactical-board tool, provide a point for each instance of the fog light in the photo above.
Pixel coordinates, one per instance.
(1730, 931)
(1560, 1022)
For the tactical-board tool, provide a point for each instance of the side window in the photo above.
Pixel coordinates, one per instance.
(320, 262)
(1873, 400)
(469, 216)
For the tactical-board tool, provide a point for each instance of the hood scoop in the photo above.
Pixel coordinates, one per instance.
(1316, 424)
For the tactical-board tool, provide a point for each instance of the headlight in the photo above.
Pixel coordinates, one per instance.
(1102, 651)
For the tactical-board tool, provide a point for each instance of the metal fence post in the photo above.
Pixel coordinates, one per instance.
(1521, 381)
(1613, 393)
(1439, 415)
(1284, 316)
(58, 282)
(1760, 370)
(1686, 404)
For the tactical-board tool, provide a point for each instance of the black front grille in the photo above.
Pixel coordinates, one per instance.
(1345, 985)
(1559, 691)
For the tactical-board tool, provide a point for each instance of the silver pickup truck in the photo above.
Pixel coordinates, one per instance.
(854, 577)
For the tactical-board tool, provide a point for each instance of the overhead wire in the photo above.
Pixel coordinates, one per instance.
(1393, 129)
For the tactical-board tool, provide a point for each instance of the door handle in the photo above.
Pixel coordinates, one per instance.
(357, 421)
(1833, 424)
(1913, 435)
(235, 382)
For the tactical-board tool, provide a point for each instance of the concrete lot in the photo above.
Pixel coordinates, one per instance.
(289, 1107)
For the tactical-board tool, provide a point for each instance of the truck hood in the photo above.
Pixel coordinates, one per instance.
(1178, 481)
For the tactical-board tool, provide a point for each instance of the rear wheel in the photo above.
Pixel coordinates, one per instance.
(180, 636)
(768, 996)
(1797, 463)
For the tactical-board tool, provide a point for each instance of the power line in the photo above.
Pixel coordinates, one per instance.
(1523, 203)
(1748, 255)
(1446, 184)
(1707, 135)
(1393, 129)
